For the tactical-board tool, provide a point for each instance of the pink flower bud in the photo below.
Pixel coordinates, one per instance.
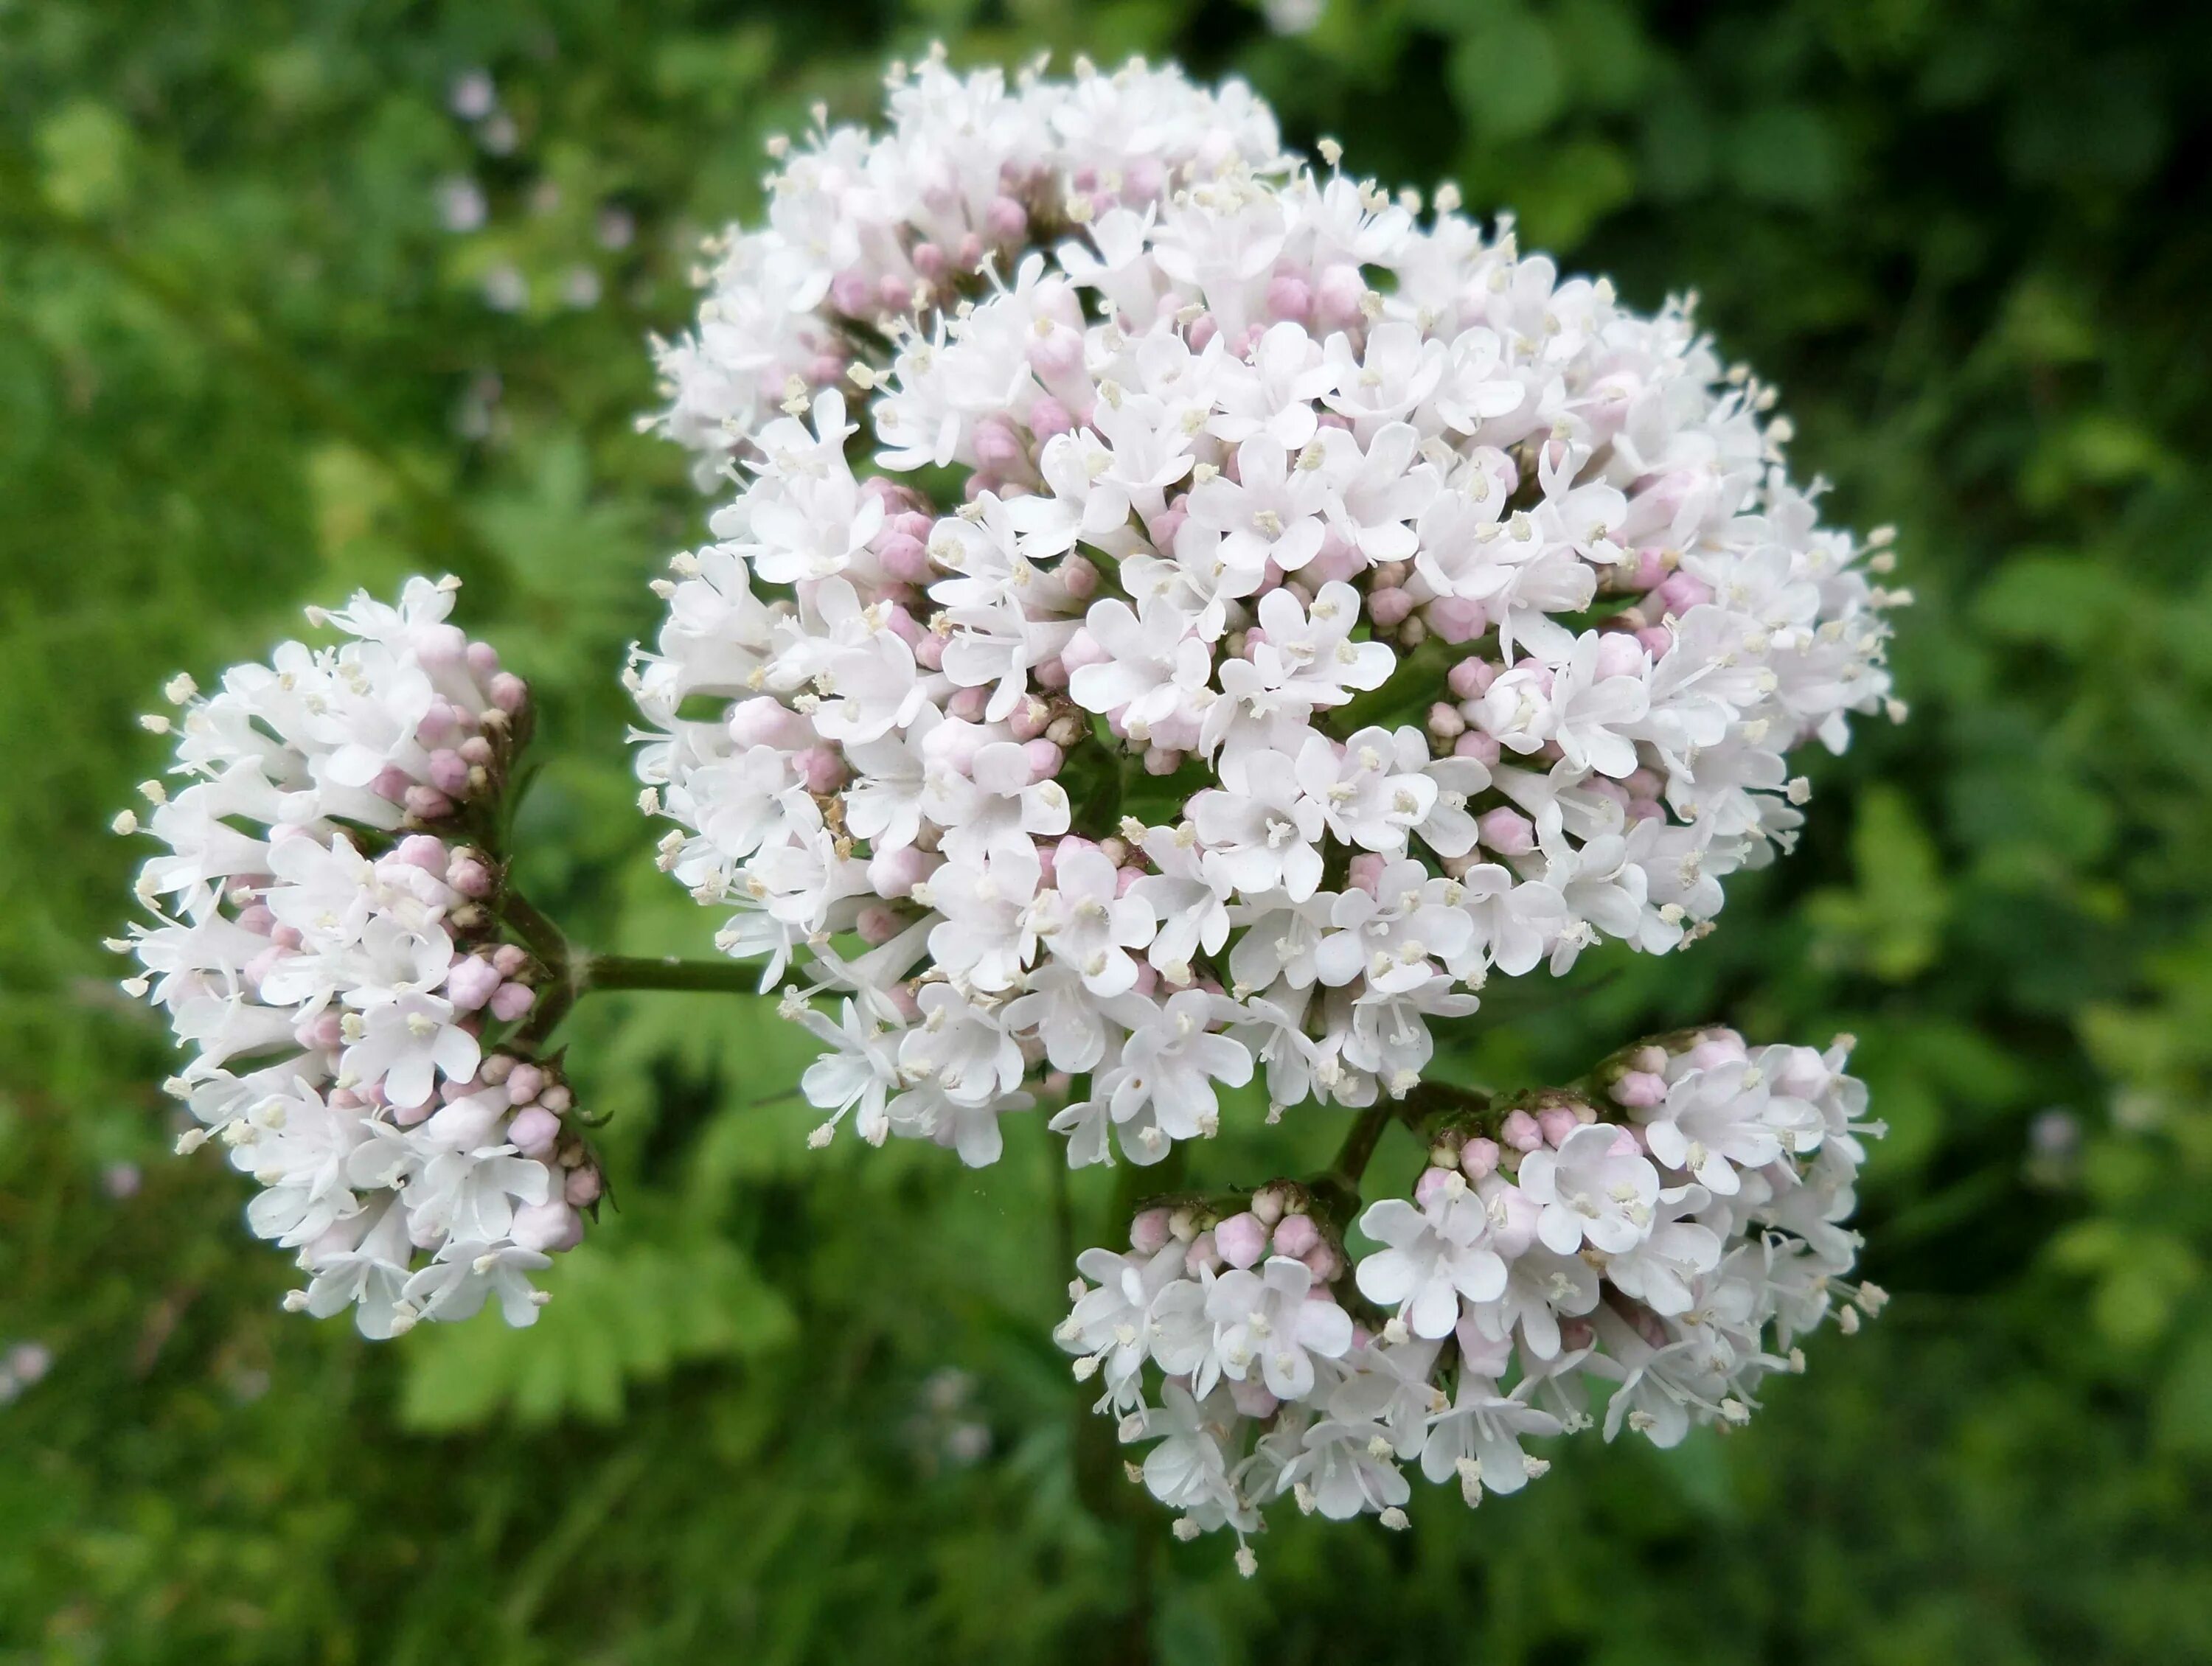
(821, 769)
(1162, 760)
(533, 1131)
(1640, 1090)
(1621, 655)
(525, 1082)
(1241, 1239)
(1477, 1157)
(475, 750)
(1509, 833)
(1045, 759)
(1521, 1131)
(427, 803)
(1445, 722)
(1680, 592)
(894, 294)
(904, 558)
(1429, 1189)
(1337, 297)
(763, 721)
(509, 693)
(1290, 300)
(510, 957)
(1148, 1232)
(472, 983)
(1474, 744)
(1006, 219)
(390, 783)
(582, 1187)
(968, 703)
(1657, 640)
(510, 1001)
(1456, 619)
(877, 923)
(1078, 575)
(1048, 673)
(851, 294)
(547, 1227)
(423, 851)
(1557, 1122)
(969, 252)
(998, 446)
(1296, 1236)
(469, 877)
(1389, 607)
(929, 651)
(1471, 678)
(1049, 419)
(556, 1099)
(1325, 1263)
(440, 725)
(1205, 1253)
(484, 661)
(895, 873)
(1148, 978)
(930, 260)
(1650, 570)
(1203, 329)
(1365, 871)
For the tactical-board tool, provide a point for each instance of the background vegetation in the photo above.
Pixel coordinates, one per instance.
(276, 320)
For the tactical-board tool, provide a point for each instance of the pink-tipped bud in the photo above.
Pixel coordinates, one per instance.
(393, 784)
(1162, 760)
(1083, 649)
(1079, 576)
(532, 1130)
(1006, 219)
(1326, 1261)
(1045, 759)
(475, 750)
(1253, 1397)
(764, 721)
(895, 873)
(1429, 1189)
(1290, 300)
(582, 1187)
(821, 769)
(1365, 871)
(1337, 297)
(1477, 1157)
(484, 661)
(427, 803)
(1621, 655)
(286, 936)
(894, 293)
(1203, 329)
(440, 725)
(1521, 1131)
(509, 693)
(1203, 1254)
(905, 558)
(1445, 722)
(510, 957)
(1640, 1090)
(998, 446)
(1657, 640)
(511, 1001)
(968, 704)
(424, 850)
(469, 877)
(1680, 592)
(930, 260)
(524, 1082)
(1474, 744)
(1148, 978)
(1471, 678)
(1049, 419)
(1509, 833)
(1148, 1232)
(929, 652)
(1296, 1236)
(472, 983)
(1650, 570)
(852, 294)
(1456, 619)
(547, 1227)
(1557, 1122)
(1241, 1239)
(877, 923)
(1389, 607)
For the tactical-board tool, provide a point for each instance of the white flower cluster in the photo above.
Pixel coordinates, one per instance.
(325, 945)
(1279, 611)
(1672, 1256)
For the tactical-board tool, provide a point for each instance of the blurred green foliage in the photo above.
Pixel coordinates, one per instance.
(793, 1406)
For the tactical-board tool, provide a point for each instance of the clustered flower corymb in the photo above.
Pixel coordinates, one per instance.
(326, 941)
(1664, 1233)
(1260, 614)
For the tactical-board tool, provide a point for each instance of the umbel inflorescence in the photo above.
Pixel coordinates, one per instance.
(1183, 618)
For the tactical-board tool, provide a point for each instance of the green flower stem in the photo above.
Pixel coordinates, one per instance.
(647, 972)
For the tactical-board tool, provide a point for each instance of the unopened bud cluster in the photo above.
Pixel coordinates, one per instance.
(324, 942)
(1659, 1237)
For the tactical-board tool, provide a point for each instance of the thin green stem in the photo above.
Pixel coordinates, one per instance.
(539, 935)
